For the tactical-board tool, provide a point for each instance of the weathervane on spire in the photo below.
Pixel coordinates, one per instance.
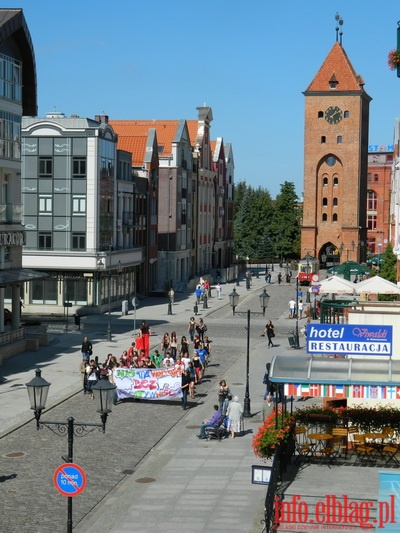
(339, 24)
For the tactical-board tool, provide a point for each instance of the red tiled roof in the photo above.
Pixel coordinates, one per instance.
(336, 66)
(136, 145)
(193, 126)
(128, 130)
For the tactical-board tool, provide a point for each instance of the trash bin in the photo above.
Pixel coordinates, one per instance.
(124, 307)
(77, 320)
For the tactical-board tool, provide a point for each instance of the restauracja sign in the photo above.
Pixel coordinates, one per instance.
(349, 339)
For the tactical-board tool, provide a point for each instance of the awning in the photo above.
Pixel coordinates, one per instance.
(19, 275)
(305, 369)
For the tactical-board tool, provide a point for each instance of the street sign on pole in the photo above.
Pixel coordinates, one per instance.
(69, 479)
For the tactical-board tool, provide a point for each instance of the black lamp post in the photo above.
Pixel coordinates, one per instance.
(233, 300)
(38, 389)
(119, 271)
(264, 299)
(237, 271)
(296, 333)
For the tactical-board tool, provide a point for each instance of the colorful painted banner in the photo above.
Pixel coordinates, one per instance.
(346, 339)
(148, 383)
(377, 392)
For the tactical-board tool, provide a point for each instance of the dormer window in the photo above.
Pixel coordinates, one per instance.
(333, 83)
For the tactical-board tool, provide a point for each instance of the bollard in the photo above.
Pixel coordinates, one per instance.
(170, 308)
(195, 308)
(205, 301)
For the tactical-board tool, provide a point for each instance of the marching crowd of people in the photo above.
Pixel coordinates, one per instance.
(191, 353)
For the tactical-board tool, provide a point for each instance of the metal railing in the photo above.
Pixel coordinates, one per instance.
(273, 498)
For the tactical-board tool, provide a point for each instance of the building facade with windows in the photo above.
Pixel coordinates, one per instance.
(70, 210)
(18, 96)
(378, 199)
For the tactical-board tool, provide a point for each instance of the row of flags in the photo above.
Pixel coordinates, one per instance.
(376, 392)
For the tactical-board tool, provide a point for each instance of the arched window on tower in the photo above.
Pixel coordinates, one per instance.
(335, 181)
(335, 201)
(324, 217)
(323, 139)
(376, 177)
(369, 176)
(320, 114)
(346, 114)
(324, 201)
(339, 139)
(334, 217)
(325, 181)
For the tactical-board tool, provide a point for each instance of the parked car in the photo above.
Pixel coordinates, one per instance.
(7, 316)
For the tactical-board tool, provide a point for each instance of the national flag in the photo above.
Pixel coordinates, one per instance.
(373, 392)
(382, 391)
(398, 392)
(391, 393)
(339, 391)
(305, 390)
(358, 391)
(315, 390)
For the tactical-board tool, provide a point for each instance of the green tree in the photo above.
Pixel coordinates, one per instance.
(388, 270)
(285, 225)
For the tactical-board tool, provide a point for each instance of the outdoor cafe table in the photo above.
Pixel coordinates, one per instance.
(374, 439)
(320, 440)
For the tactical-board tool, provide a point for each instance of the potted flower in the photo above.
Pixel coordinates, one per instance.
(271, 434)
(394, 59)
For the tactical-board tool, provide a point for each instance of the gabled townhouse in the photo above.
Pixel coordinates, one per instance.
(174, 215)
(18, 96)
(70, 209)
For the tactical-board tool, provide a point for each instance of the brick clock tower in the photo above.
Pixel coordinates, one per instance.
(335, 162)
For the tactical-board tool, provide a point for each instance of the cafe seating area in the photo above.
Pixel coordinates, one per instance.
(329, 444)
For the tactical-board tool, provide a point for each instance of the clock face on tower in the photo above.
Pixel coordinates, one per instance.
(333, 114)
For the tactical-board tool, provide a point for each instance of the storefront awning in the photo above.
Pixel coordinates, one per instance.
(19, 275)
(308, 370)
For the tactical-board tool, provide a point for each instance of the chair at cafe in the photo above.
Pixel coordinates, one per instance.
(389, 435)
(389, 453)
(365, 454)
(351, 431)
(333, 449)
(342, 441)
(303, 448)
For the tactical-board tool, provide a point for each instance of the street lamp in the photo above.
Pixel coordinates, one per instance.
(237, 271)
(234, 300)
(264, 299)
(38, 389)
(296, 334)
(119, 271)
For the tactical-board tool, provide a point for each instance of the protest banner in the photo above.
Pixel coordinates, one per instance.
(148, 383)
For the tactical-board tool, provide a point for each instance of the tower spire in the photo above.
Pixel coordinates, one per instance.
(339, 24)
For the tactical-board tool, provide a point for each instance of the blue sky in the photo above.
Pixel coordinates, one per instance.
(250, 61)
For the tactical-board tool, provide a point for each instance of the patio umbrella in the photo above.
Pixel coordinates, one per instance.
(336, 285)
(377, 285)
(377, 260)
(349, 268)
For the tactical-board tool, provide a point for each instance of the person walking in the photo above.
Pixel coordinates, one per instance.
(300, 309)
(270, 332)
(86, 349)
(145, 334)
(218, 288)
(292, 308)
(234, 414)
(279, 278)
(269, 387)
(224, 396)
(185, 383)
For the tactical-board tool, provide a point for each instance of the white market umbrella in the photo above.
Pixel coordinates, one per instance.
(336, 285)
(376, 285)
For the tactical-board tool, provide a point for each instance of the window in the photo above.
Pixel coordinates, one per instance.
(324, 217)
(78, 241)
(330, 160)
(79, 167)
(371, 222)
(45, 241)
(44, 291)
(323, 139)
(346, 114)
(376, 177)
(324, 202)
(372, 201)
(335, 181)
(76, 291)
(369, 177)
(320, 114)
(45, 205)
(339, 139)
(325, 182)
(334, 217)
(335, 201)
(45, 166)
(79, 204)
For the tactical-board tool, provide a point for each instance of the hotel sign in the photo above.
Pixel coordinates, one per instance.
(346, 339)
(12, 238)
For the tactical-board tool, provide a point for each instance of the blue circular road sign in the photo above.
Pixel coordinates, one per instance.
(69, 479)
